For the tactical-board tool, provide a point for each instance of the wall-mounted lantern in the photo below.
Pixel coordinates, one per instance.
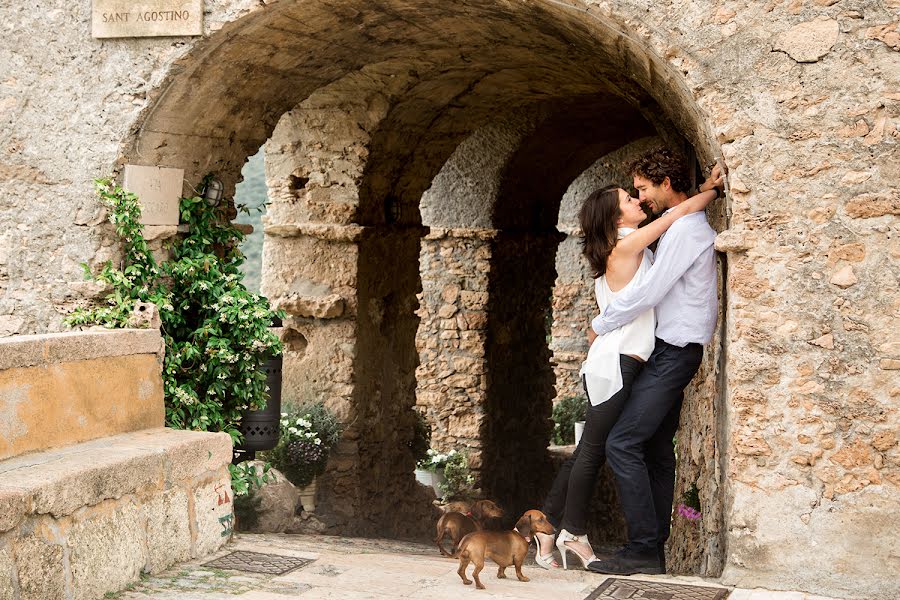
(213, 192)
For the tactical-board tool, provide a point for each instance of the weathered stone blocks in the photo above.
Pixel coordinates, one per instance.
(88, 519)
(40, 568)
(168, 529)
(106, 549)
(52, 396)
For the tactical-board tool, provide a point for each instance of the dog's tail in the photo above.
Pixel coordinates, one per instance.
(462, 550)
(442, 531)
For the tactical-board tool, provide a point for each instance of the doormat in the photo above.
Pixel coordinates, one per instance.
(256, 562)
(654, 590)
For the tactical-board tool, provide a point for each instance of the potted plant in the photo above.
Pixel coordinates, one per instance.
(458, 479)
(430, 470)
(307, 436)
(567, 414)
(260, 428)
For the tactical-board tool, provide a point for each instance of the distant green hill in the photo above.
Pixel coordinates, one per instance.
(251, 192)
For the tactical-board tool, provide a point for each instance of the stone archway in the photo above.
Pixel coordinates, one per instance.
(380, 97)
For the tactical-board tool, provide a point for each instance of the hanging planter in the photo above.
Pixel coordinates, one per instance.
(260, 428)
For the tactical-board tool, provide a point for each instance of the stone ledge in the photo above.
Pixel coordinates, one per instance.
(477, 233)
(336, 233)
(38, 350)
(59, 482)
(87, 520)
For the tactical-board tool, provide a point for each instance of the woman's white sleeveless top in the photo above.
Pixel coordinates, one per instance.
(601, 369)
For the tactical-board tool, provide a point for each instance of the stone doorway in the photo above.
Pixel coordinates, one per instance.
(403, 134)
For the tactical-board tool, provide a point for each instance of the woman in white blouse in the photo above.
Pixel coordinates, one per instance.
(617, 252)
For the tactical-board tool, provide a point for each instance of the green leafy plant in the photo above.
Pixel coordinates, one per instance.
(306, 439)
(216, 333)
(246, 511)
(246, 477)
(434, 460)
(421, 440)
(458, 479)
(566, 413)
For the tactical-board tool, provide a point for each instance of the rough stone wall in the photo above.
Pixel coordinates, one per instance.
(811, 467)
(451, 340)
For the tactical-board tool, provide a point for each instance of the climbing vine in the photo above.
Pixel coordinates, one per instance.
(216, 332)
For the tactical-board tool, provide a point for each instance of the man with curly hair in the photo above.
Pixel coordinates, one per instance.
(681, 286)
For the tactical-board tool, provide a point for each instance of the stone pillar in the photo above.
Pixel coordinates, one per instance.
(455, 264)
(520, 379)
(349, 291)
(452, 336)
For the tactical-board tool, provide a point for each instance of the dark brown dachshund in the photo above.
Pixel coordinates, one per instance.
(503, 547)
(457, 525)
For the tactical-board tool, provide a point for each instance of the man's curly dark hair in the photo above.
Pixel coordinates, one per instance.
(659, 163)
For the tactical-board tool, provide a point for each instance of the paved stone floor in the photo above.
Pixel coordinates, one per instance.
(370, 569)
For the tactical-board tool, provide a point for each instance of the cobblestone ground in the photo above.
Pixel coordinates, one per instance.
(370, 569)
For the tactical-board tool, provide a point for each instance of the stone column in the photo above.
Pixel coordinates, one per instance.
(451, 340)
(455, 264)
(349, 291)
(520, 380)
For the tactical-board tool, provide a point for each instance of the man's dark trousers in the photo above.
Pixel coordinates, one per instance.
(639, 448)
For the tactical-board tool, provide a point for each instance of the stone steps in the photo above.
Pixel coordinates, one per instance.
(87, 519)
(66, 388)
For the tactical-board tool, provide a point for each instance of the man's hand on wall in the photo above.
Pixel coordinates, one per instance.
(716, 179)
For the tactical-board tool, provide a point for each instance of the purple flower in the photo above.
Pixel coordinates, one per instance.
(689, 513)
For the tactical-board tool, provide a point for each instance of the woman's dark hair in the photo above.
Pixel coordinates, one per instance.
(659, 163)
(599, 217)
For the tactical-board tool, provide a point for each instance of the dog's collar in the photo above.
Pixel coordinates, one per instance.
(527, 537)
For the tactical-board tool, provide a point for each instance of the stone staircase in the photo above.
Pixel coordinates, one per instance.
(94, 490)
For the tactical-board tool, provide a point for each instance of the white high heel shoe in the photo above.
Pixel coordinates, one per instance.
(547, 561)
(563, 537)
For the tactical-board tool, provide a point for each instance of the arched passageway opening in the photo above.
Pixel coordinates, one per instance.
(365, 105)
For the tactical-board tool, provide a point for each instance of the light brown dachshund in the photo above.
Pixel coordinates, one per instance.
(483, 514)
(487, 514)
(503, 547)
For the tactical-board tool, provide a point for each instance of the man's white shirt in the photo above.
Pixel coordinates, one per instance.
(681, 285)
